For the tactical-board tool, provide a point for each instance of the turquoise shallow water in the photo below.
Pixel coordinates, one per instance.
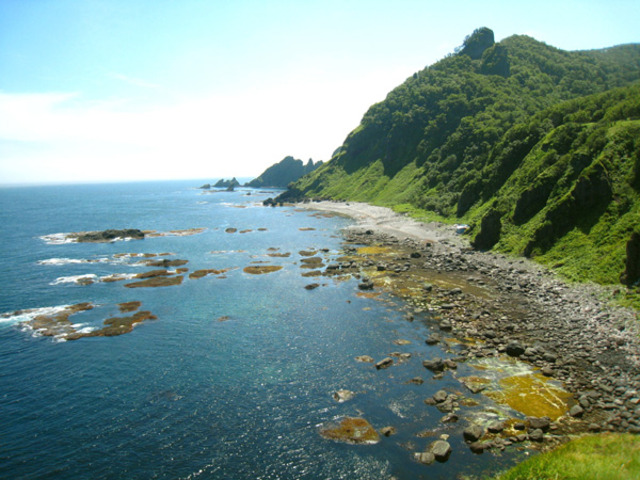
(187, 395)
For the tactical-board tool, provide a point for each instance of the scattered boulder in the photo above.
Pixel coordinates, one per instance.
(343, 395)
(473, 433)
(364, 359)
(384, 363)
(541, 423)
(496, 427)
(514, 349)
(576, 411)
(441, 450)
(433, 339)
(440, 396)
(536, 435)
(426, 458)
(435, 365)
(388, 431)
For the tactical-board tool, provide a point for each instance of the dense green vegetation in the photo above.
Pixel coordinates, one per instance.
(535, 147)
(597, 457)
(283, 173)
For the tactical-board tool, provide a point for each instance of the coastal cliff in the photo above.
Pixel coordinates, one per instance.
(534, 147)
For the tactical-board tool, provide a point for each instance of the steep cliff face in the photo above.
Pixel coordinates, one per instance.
(533, 139)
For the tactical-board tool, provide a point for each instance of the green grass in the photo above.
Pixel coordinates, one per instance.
(594, 457)
(421, 215)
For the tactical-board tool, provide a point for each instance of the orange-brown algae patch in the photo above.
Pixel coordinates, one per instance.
(311, 262)
(154, 273)
(209, 271)
(279, 255)
(161, 281)
(368, 294)
(261, 269)
(312, 273)
(532, 395)
(126, 307)
(352, 430)
(115, 326)
(59, 323)
(307, 253)
(373, 250)
(120, 325)
(165, 263)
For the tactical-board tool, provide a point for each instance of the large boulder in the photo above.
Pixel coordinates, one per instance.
(441, 450)
(473, 433)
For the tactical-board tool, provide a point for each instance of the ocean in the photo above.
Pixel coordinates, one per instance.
(231, 375)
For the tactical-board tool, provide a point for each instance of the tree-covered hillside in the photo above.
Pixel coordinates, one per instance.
(506, 134)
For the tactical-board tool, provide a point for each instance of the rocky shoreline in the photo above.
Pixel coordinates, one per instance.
(497, 305)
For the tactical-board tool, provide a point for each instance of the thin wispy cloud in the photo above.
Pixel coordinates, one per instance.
(137, 82)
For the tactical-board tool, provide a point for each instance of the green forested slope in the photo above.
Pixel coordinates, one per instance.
(535, 144)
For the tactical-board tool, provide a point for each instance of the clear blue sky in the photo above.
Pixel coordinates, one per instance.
(107, 90)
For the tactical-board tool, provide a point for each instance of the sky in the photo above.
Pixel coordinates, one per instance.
(122, 90)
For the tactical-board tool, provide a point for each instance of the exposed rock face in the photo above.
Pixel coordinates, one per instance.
(631, 272)
(490, 229)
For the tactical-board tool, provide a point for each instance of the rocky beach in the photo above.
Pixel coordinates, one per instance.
(491, 306)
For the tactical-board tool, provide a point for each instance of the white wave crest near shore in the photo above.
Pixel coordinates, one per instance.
(20, 316)
(78, 279)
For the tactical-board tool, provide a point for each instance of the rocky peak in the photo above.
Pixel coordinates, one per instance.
(475, 44)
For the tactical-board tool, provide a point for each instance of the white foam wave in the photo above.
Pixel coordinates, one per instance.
(20, 316)
(72, 261)
(83, 328)
(116, 277)
(78, 279)
(58, 238)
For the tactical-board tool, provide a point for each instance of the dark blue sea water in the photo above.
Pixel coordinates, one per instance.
(189, 396)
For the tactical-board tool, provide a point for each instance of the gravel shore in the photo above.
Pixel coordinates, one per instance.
(513, 306)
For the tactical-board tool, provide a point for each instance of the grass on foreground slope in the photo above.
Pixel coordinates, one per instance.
(594, 457)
